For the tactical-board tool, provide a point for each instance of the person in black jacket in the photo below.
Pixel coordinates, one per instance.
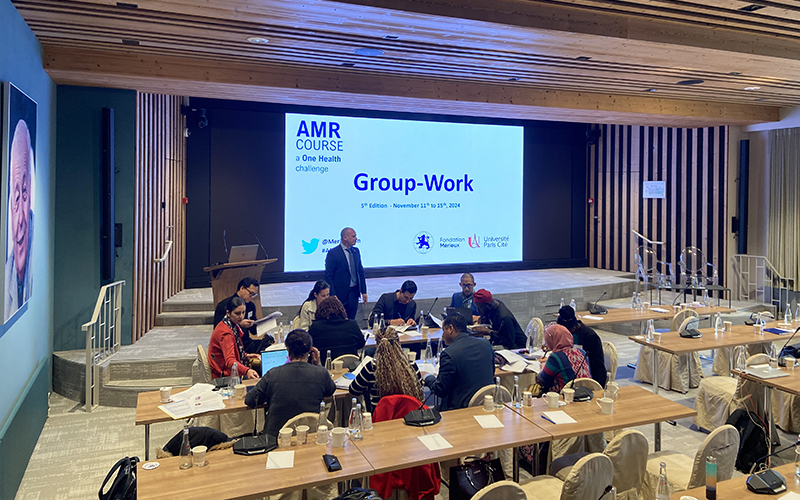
(586, 339)
(344, 272)
(505, 329)
(293, 388)
(247, 291)
(331, 330)
(398, 307)
(466, 365)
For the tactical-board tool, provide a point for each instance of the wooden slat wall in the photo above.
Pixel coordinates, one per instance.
(693, 162)
(160, 212)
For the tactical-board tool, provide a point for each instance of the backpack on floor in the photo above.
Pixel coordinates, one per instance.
(124, 485)
(752, 439)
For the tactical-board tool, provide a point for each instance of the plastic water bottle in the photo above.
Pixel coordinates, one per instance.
(516, 396)
(612, 495)
(428, 352)
(439, 348)
(650, 330)
(662, 492)
(573, 305)
(633, 301)
(787, 316)
(797, 312)
(498, 394)
(186, 451)
(234, 379)
(532, 338)
(562, 303)
(639, 302)
(328, 361)
(719, 326)
(741, 359)
(354, 413)
(323, 417)
(382, 324)
(421, 319)
(705, 298)
(797, 459)
(711, 478)
(357, 432)
(280, 332)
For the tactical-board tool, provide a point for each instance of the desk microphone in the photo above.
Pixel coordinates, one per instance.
(781, 361)
(259, 243)
(605, 492)
(422, 318)
(772, 455)
(767, 481)
(225, 242)
(595, 309)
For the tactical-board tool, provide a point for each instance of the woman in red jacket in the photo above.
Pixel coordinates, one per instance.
(225, 347)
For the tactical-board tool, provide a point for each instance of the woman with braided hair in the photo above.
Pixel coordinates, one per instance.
(388, 373)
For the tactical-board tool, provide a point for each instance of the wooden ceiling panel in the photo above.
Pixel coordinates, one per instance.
(504, 47)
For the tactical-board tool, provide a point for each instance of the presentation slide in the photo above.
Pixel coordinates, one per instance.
(416, 192)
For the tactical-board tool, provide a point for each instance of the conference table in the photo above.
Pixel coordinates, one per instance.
(673, 343)
(736, 488)
(628, 315)
(392, 445)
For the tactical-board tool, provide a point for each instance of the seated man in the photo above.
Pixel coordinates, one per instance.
(398, 307)
(466, 365)
(465, 298)
(505, 330)
(587, 339)
(247, 291)
(293, 388)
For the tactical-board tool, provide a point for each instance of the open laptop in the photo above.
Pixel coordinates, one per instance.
(271, 359)
(766, 372)
(465, 312)
(243, 253)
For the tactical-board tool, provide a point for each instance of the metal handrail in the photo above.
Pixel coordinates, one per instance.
(103, 337)
(166, 252)
(757, 280)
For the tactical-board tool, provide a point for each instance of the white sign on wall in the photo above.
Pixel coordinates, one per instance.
(654, 189)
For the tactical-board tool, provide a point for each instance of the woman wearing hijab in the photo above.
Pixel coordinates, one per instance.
(565, 362)
(388, 373)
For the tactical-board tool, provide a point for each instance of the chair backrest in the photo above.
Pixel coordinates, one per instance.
(394, 406)
(589, 383)
(757, 359)
(692, 261)
(205, 366)
(501, 490)
(646, 259)
(477, 398)
(536, 329)
(750, 394)
(349, 361)
(679, 318)
(722, 444)
(307, 418)
(296, 322)
(611, 359)
(588, 478)
(628, 453)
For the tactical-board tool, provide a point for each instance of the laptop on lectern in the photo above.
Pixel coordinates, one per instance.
(243, 253)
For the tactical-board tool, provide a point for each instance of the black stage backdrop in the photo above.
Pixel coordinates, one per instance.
(235, 179)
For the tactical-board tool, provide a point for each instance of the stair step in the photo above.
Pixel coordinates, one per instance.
(184, 306)
(138, 370)
(150, 384)
(185, 318)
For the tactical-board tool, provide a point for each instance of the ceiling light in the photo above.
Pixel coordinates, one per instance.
(690, 82)
(751, 8)
(127, 5)
(734, 73)
(513, 79)
(391, 37)
(126, 41)
(583, 58)
(650, 90)
(348, 65)
(760, 99)
(257, 39)
(752, 88)
(368, 52)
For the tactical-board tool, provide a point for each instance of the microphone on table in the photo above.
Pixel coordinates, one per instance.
(259, 243)
(364, 349)
(429, 312)
(605, 492)
(595, 309)
(225, 242)
(781, 360)
(767, 481)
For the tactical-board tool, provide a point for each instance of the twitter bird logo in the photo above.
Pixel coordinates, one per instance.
(309, 247)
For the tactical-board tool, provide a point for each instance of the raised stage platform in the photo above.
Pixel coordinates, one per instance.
(166, 354)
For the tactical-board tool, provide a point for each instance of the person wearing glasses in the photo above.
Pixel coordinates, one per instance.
(464, 298)
(247, 291)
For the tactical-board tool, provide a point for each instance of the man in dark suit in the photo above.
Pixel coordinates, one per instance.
(345, 273)
(466, 365)
(464, 298)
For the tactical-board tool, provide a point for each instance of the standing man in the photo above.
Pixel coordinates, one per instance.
(505, 328)
(345, 273)
(247, 291)
(466, 365)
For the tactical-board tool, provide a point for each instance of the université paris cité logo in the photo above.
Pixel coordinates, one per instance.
(423, 242)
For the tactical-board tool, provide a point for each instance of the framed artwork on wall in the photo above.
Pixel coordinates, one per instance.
(17, 197)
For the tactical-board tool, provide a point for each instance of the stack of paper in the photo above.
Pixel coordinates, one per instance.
(516, 363)
(593, 318)
(267, 323)
(199, 398)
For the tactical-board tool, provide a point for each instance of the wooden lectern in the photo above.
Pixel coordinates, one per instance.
(225, 277)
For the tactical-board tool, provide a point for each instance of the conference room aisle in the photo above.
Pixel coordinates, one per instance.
(76, 449)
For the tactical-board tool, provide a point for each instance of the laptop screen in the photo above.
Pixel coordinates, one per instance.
(271, 359)
(465, 313)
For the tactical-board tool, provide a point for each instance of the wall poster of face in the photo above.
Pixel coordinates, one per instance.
(17, 197)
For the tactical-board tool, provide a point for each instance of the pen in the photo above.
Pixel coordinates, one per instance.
(544, 417)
